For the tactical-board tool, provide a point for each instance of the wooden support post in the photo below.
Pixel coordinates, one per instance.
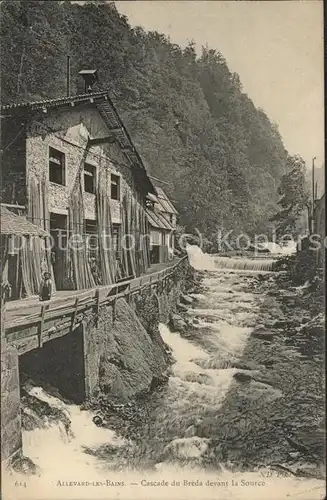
(114, 311)
(97, 312)
(114, 307)
(128, 294)
(74, 315)
(44, 308)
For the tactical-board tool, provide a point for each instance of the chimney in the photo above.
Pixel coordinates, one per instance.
(90, 77)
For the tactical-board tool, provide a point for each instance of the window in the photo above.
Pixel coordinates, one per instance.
(56, 166)
(115, 187)
(90, 229)
(89, 178)
(116, 239)
(90, 226)
(58, 230)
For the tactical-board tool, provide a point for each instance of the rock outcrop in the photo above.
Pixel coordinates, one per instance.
(131, 360)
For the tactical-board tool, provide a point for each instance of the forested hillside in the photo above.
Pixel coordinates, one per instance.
(187, 113)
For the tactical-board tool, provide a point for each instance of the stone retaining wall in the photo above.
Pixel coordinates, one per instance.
(11, 439)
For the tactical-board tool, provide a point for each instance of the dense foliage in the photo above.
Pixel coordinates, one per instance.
(294, 198)
(187, 113)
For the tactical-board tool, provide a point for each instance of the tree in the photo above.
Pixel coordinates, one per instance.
(294, 197)
(187, 114)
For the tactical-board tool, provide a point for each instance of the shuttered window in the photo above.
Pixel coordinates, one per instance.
(56, 166)
(115, 187)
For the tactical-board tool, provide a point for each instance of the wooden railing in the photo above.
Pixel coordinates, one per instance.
(67, 308)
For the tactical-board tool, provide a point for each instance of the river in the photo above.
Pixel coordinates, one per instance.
(206, 434)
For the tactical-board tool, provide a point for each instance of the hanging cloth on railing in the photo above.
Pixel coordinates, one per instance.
(39, 248)
(81, 267)
(107, 257)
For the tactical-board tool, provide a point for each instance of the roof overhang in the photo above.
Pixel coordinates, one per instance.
(157, 220)
(18, 225)
(116, 128)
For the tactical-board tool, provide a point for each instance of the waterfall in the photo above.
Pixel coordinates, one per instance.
(205, 262)
(243, 263)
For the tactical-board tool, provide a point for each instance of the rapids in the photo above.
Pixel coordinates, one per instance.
(177, 442)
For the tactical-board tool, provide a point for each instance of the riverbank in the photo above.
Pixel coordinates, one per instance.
(285, 353)
(242, 399)
(273, 413)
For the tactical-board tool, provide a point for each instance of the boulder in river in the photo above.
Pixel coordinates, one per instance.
(24, 465)
(186, 299)
(269, 363)
(282, 323)
(242, 365)
(262, 335)
(97, 420)
(316, 326)
(186, 448)
(177, 323)
(190, 431)
(158, 381)
(242, 377)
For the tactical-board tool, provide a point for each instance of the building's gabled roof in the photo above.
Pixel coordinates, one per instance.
(18, 225)
(157, 220)
(54, 103)
(152, 197)
(164, 203)
(108, 112)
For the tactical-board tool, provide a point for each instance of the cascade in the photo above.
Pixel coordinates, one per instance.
(183, 417)
(203, 261)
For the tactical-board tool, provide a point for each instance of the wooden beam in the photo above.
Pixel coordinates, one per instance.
(74, 314)
(159, 180)
(128, 294)
(116, 129)
(114, 311)
(43, 309)
(97, 298)
(9, 205)
(109, 139)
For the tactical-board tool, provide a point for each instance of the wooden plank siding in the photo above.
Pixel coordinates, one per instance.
(58, 317)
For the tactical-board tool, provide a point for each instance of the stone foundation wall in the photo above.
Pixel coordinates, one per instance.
(121, 357)
(59, 363)
(11, 438)
(125, 354)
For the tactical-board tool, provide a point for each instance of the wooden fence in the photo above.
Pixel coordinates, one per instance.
(61, 313)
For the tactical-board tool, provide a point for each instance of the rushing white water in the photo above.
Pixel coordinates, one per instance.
(274, 248)
(44, 446)
(206, 262)
(203, 374)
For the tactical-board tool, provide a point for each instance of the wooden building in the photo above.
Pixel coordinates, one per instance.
(162, 218)
(72, 164)
(21, 265)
